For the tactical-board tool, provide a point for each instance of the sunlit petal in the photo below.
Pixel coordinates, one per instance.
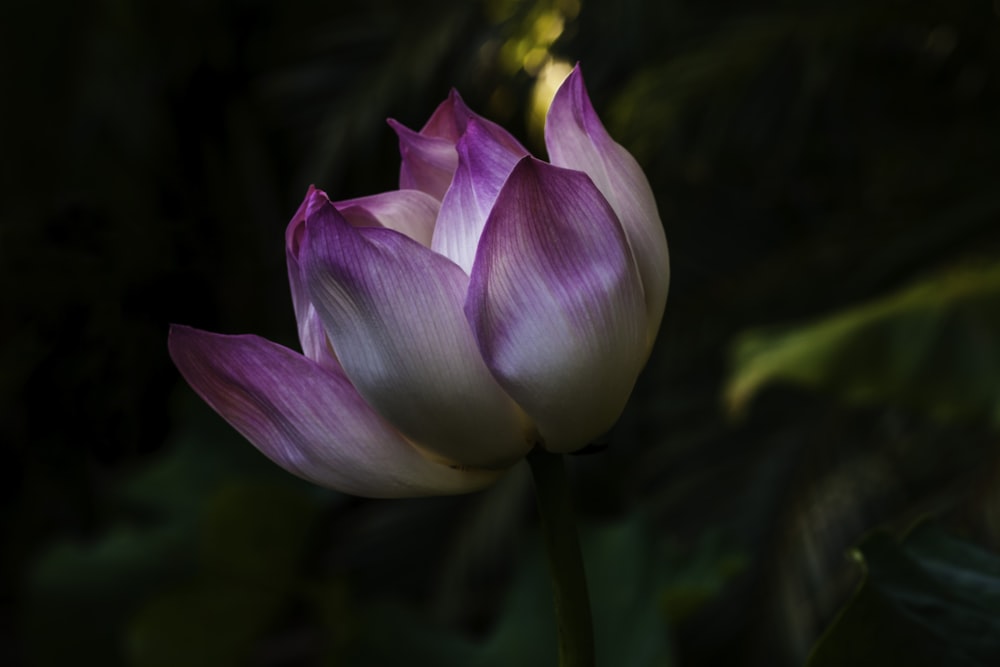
(393, 312)
(556, 303)
(576, 139)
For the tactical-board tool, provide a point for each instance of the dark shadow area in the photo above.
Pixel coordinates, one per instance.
(829, 362)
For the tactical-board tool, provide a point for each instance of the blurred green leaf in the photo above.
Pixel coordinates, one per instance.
(115, 572)
(208, 622)
(253, 538)
(650, 108)
(256, 532)
(393, 634)
(626, 575)
(699, 576)
(180, 515)
(932, 600)
(932, 346)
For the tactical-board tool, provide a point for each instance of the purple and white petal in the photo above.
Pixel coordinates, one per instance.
(409, 212)
(484, 162)
(308, 419)
(576, 139)
(429, 158)
(312, 336)
(393, 312)
(556, 303)
(428, 163)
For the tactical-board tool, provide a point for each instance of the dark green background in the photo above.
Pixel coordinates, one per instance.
(816, 166)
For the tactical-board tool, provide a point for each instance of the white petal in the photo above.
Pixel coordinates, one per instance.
(409, 212)
(485, 159)
(556, 303)
(393, 312)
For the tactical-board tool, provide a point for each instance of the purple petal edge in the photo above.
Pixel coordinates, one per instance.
(308, 419)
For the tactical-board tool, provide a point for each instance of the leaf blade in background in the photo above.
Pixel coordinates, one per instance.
(932, 599)
(931, 346)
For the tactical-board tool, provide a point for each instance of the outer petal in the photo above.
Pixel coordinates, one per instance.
(576, 139)
(484, 162)
(393, 312)
(556, 304)
(409, 212)
(307, 419)
(312, 337)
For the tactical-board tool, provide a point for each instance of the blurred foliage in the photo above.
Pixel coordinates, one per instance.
(931, 600)
(932, 347)
(209, 521)
(828, 163)
(629, 622)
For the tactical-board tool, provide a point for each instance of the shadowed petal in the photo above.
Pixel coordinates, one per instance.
(484, 162)
(393, 312)
(576, 139)
(409, 212)
(556, 304)
(312, 337)
(428, 156)
(307, 419)
(428, 163)
(448, 120)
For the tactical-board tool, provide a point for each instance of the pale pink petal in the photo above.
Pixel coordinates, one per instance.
(448, 120)
(576, 139)
(556, 303)
(484, 162)
(409, 212)
(393, 312)
(308, 419)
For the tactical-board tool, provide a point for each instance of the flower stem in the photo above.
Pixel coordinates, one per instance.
(569, 581)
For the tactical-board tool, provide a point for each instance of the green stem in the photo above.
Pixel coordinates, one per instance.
(569, 581)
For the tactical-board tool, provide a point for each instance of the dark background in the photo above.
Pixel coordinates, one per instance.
(812, 161)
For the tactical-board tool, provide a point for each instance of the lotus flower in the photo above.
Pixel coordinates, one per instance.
(494, 303)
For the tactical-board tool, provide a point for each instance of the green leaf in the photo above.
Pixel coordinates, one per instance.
(113, 574)
(207, 622)
(181, 514)
(392, 634)
(933, 346)
(627, 577)
(932, 600)
(256, 532)
(698, 576)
